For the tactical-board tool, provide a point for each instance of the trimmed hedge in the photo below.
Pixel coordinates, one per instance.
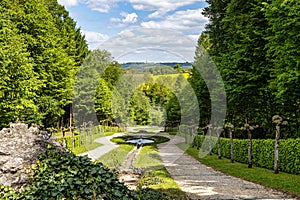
(263, 153)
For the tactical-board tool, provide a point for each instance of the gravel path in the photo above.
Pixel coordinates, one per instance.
(202, 182)
(100, 151)
(197, 180)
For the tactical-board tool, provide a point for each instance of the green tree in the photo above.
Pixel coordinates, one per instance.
(139, 108)
(283, 53)
(18, 84)
(88, 86)
(198, 83)
(103, 101)
(52, 50)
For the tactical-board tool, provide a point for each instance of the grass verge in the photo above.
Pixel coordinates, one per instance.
(156, 176)
(116, 157)
(289, 183)
(84, 148)
(87, 147)
(148, 157)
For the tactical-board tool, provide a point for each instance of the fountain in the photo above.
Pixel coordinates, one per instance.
(140, 141)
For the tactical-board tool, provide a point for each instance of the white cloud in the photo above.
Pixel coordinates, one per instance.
(149, 5)
(94, 39)
(161, 7)
(129, 18)
(68, 2)
(156, 14)
(194, 37)
(161, 41)
(186, 21)
(103, 6)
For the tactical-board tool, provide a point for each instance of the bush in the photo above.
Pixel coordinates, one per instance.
(67, 176)
(263, 153)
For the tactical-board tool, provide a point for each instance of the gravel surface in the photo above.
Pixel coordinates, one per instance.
(198, 181)
(202, 182)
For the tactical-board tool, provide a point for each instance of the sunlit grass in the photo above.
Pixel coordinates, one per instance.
(85, 148)
(89, 146)
(156, 176)
(116, 157)
(148, 157)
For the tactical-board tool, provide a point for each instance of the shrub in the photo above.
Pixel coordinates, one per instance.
(66, 176)
(263, 153)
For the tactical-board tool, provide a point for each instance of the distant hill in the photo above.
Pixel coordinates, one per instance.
(142, 65)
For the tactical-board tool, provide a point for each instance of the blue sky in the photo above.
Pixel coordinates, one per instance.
(141, 30)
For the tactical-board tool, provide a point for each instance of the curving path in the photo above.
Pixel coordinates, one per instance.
(199, 181)
(106, 147)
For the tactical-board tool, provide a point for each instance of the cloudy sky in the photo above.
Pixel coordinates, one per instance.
(141, 30)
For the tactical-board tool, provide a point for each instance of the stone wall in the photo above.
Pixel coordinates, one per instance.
(19, 150)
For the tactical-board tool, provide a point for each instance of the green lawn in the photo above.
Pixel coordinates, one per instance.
(116, 157)
(285, 182)
(84, 148)
(156, 176)
(148, 157)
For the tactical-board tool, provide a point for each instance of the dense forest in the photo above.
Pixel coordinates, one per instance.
(41, 50)
(255, 46)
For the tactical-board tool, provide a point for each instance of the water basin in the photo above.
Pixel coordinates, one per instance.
(140, 141)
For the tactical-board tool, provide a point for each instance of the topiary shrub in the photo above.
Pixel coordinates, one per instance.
(263, 153)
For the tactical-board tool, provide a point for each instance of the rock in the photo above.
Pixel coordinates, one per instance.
(19, 150)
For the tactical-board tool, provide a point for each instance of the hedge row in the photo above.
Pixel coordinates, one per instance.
(263, 152)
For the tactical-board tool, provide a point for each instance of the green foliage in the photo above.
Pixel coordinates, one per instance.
(65, 176)
(263, 153)
(18, 84)
(254, 44)
(283, 52)
(140, 108)
(41, 51)
(8, 193)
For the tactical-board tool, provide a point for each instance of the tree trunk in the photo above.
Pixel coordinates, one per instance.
(210, 142)
(249, 149)
(219, 146)
(185, 136)
(231, 148)
(193, 137)
(203, 139)
(197, 139)
(71, 129)
(73, 139)
(276, 149)
(91, 134)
